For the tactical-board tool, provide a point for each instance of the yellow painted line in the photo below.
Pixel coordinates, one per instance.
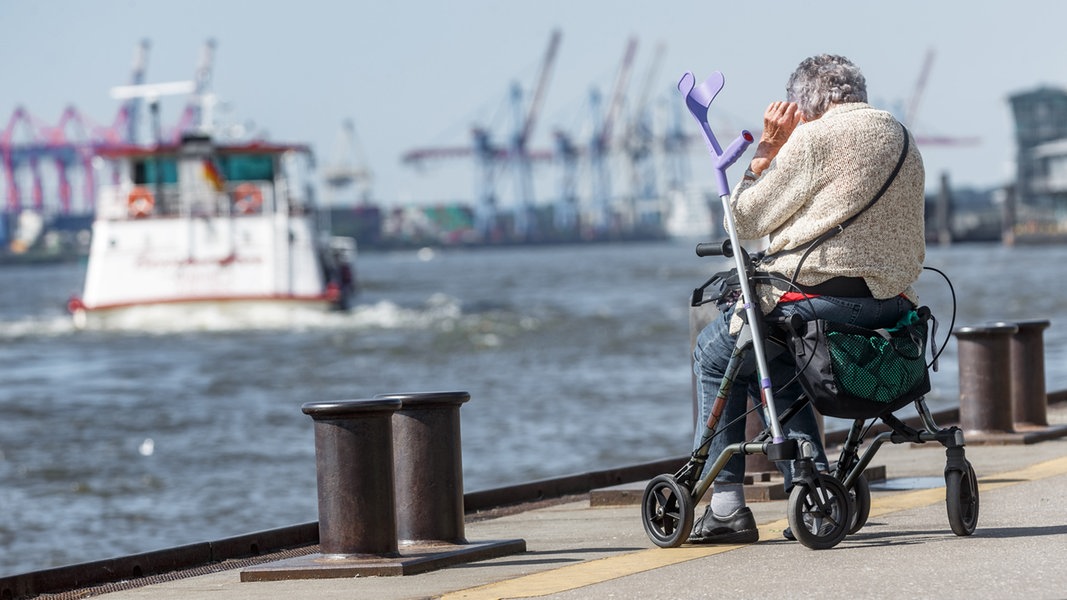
(587, 573)
(597, 571)
(918, 498)
(1049, 468)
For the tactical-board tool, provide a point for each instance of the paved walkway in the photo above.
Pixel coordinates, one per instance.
(575, 550)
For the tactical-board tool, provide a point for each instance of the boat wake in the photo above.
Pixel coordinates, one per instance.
(438, 312)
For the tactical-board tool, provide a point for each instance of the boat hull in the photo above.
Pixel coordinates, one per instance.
(166, 260)
(205, 313)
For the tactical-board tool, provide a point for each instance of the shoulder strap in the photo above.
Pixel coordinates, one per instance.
(841, 226)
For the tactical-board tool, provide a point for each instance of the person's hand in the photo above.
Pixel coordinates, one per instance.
(779, 121)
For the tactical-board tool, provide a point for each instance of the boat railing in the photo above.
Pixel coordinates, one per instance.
(128, 201)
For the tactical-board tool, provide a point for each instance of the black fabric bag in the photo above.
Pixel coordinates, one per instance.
(851, 372)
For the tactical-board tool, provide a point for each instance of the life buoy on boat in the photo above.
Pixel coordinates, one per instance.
(247, 199)
(140, 202)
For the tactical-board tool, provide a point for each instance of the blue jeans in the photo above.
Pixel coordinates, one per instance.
(712, 354)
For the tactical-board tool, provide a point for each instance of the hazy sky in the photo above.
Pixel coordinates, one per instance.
(419, 74)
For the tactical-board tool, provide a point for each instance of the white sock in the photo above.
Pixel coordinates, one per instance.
(727, 498)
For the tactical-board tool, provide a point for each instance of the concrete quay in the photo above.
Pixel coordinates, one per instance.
(577, 550)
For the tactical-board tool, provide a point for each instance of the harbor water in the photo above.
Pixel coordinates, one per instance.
(168, 428)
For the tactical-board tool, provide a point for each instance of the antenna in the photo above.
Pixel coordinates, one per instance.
(152, 91)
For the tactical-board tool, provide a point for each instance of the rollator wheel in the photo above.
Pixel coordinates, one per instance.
(820, 515)
(667, 511)
(860, 493)
(961, 499)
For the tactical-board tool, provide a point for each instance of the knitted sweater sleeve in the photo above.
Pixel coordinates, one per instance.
(784, 188)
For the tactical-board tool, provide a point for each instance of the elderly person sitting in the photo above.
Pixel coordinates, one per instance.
(822, 157)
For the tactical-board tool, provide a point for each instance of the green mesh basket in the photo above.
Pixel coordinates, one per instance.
(879, 369)
(851, 372)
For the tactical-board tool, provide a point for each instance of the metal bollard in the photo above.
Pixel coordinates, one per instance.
(985, 377)
(428, 467)
(1029, 399)
(354, 469)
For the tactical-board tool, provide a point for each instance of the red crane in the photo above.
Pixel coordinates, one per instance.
(72, 141)
(29, 152)
(913, 110)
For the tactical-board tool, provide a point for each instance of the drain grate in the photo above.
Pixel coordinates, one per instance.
(117, 586)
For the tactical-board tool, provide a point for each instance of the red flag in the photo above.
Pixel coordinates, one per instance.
(211, 172)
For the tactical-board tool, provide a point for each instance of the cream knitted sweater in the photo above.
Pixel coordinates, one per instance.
(827, 171)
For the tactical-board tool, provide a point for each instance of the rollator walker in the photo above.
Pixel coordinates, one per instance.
(823, 507)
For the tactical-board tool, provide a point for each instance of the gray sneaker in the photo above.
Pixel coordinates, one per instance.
(738, 528)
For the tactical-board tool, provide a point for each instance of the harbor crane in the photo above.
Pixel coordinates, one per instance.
(601, 144)
(198, 109)
(639, 143)
(520, 151)
(492, 158)
(597, 151)
(349, 166)
(130, 112)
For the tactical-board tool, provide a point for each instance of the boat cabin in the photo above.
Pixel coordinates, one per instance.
(197, 178)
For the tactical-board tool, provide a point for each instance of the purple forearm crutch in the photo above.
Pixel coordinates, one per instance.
(698, 99)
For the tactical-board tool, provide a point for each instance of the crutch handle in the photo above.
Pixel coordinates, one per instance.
(728, 157)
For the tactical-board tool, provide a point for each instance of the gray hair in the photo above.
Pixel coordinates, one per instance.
(824, 80)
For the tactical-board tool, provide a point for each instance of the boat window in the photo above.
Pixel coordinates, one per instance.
(144, 171)
(247, 167)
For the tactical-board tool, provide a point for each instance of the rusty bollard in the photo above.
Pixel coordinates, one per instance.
(428, 467)
(985, 377)
(354, 469)
(1029, 399)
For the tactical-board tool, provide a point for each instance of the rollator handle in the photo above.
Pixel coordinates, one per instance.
(714, 249)
(794, 322)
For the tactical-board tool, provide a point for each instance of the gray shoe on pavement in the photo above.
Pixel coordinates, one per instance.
(738, 528)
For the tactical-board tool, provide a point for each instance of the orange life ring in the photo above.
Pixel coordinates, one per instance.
(247, 199)
(140, 202)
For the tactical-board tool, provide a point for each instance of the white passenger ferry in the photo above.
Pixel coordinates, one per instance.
(196, 222)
